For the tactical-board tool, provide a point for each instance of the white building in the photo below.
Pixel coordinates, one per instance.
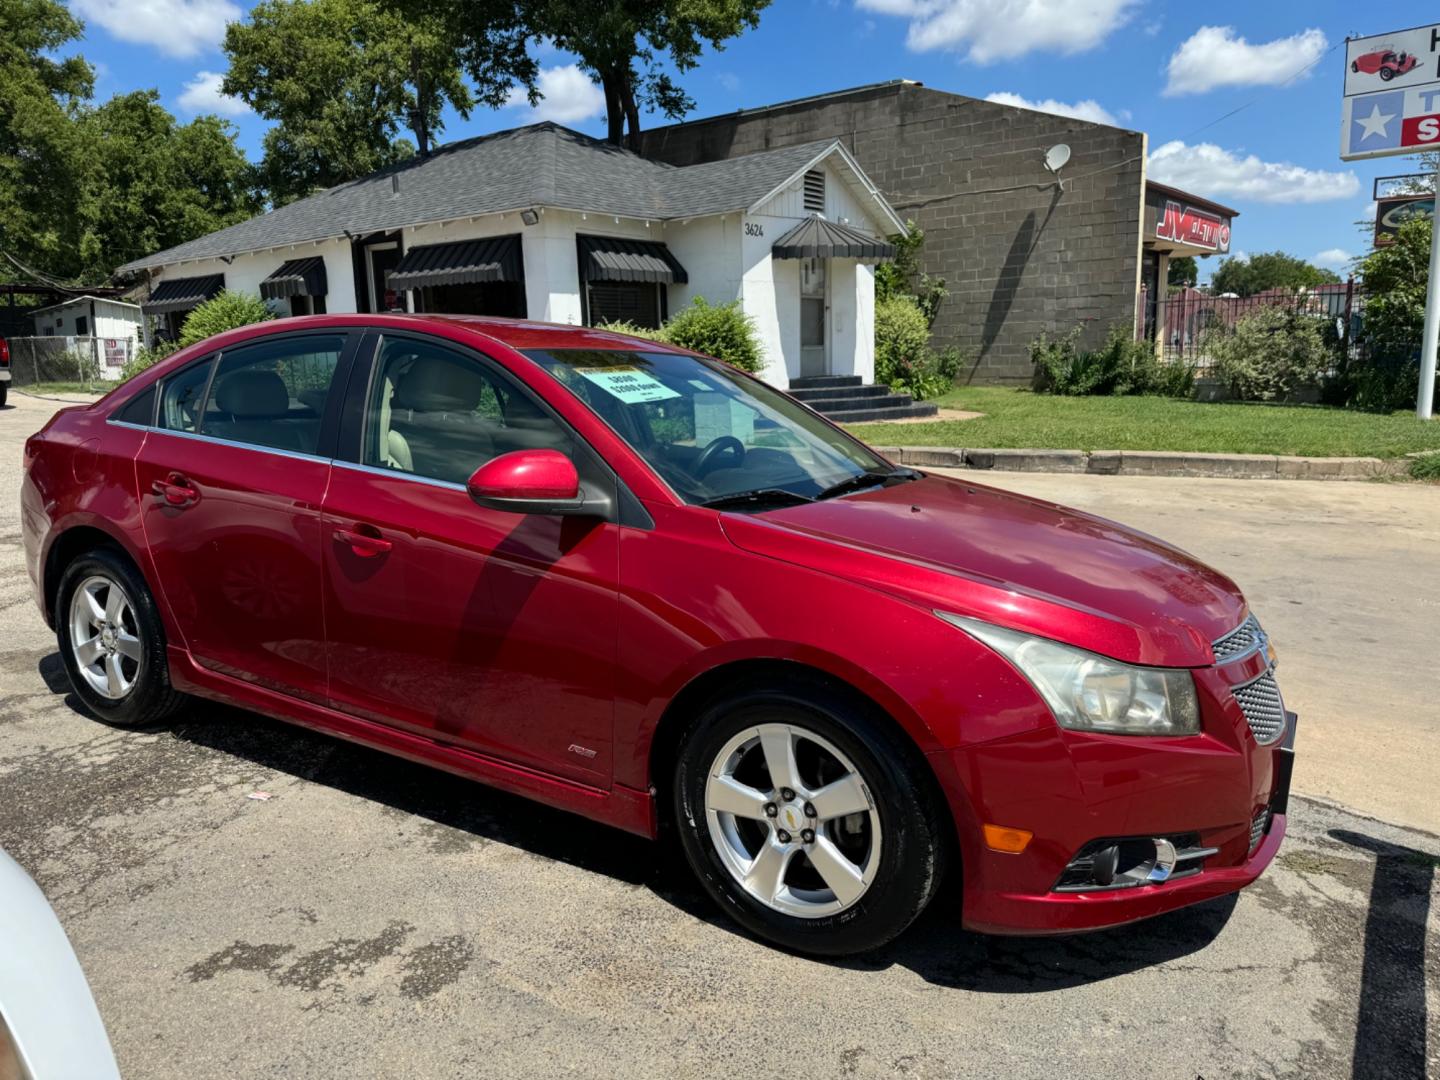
(545, 223)
(110, 329)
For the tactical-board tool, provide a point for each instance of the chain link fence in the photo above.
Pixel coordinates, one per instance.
(74, 363)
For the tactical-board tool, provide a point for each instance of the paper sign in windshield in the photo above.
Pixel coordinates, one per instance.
(629, 384)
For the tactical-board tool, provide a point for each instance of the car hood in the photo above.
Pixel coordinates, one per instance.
(1011, 560)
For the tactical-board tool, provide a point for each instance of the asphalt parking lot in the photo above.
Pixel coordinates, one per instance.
(374, 918)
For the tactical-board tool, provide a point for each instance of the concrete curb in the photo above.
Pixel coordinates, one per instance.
(1154, 463)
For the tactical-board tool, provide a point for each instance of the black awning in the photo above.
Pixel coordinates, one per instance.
(298, 277)
(464, 262)
(604, 258)
(182, 293)
(821, 239)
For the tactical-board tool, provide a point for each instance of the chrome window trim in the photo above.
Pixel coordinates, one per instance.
(396, 474)
(131, 426)
(218, 441)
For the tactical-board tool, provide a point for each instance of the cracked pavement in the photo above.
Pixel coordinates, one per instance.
(376, 918)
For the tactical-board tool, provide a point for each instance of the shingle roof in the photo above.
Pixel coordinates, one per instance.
(540, 165)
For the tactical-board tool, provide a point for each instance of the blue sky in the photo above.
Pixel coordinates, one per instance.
(1170, 70)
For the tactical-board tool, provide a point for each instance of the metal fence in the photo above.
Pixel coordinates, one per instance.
(1185, 322)
(81, 362)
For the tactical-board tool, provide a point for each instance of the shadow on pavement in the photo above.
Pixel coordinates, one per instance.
(1390, 1028)
(936, 947)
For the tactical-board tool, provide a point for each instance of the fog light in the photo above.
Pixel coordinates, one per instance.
(1010, 841)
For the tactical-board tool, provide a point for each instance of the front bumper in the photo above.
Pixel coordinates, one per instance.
(1087, 788)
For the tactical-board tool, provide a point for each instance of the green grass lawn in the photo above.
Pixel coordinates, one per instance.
(45, 388)
(1019, 418)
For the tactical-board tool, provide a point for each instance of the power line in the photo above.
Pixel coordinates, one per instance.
(1261, 97)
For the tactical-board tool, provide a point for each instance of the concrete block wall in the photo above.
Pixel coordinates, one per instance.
(1027, 259)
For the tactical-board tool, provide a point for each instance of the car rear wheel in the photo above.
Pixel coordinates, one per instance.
(112, 641)
(804, 819)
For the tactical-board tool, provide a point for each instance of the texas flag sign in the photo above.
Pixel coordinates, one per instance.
(1391, 122)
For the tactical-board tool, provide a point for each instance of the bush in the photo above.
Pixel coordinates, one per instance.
(1425, 467)
(1271, 352)
(1122, 366)
(146, 358)
(723, 331)
(224, 312)
(634, 330)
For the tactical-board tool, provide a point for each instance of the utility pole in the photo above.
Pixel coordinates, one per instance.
(1425, 403)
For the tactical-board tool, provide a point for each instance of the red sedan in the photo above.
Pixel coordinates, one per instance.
(639, 585)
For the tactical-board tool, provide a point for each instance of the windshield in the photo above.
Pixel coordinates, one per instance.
(711, 433)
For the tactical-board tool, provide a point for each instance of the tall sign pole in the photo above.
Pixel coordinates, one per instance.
(1430, 339)
(1392, 106)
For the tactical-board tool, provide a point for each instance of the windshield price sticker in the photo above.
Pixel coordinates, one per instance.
(628, 383)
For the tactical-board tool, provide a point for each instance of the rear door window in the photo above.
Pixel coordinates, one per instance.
(274, 393)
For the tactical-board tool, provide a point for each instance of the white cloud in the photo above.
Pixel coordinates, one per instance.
(1368, 214)
(991, 30)
(176, 27)
(202, 95)
(1333, 258)
(1089, 109)
(1207, 169)
(1217, 56)
(568, 96)
(729, 80)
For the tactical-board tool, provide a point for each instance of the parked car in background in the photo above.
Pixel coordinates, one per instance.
(50, 1028)
(1384, 63)
(637, 584)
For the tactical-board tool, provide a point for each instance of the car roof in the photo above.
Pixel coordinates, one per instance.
(516, 333)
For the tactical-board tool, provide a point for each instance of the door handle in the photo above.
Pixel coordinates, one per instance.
(363, 540)
(175, 490)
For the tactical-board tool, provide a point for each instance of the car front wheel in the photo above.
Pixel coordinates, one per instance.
(112, 641)
(803, 817)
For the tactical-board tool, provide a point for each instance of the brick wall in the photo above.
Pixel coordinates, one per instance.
(1017, 262)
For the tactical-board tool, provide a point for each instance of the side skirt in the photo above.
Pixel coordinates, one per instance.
(622, 807)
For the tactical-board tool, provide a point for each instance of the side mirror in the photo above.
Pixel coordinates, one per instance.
(528, 482)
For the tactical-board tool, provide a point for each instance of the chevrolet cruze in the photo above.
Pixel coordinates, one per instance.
(636, 584)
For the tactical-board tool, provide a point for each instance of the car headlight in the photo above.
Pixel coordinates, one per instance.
(1087, 692)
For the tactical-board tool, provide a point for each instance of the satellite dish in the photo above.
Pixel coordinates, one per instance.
(1056, 157)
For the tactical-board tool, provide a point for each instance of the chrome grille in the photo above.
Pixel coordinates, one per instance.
(1259, 825)
(1240, 640)
(1261, 703)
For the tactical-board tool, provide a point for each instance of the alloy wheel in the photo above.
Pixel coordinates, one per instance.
(793, 820)
(104, 637)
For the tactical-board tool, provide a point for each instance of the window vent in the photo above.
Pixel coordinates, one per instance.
(815, 191)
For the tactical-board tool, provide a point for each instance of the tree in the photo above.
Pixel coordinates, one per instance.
(340, 78)
(1395, 278)
(1184, 271)
(1268, 270)
(39, 94)
(623, 45)
(147, 182)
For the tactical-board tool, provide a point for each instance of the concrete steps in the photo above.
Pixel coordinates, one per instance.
(845, 400)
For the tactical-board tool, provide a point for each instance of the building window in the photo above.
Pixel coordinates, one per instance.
(624, 301)
(307, 305)
(82, 326)
(815, 191)
(505, 299)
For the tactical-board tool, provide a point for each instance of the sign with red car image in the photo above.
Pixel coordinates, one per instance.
(1392, 94)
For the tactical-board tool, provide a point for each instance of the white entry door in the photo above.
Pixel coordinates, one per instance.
(814, 335)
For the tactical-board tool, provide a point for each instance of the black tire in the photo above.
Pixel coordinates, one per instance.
(151, 698)
(1354, 66)
(1386, 74)
(4, 393)
(913, 821)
